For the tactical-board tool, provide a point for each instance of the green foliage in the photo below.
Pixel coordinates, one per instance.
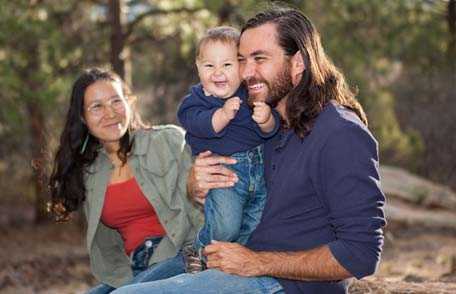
(376, 43)
(393, 52)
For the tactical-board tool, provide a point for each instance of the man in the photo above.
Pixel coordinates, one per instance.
(323, 219)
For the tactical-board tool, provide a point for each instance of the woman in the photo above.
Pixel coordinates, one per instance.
(130, 181)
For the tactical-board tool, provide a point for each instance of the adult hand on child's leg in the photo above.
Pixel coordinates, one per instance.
(208, 172)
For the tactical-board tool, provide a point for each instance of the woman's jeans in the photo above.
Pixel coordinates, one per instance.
(231, 214)
(139, 259)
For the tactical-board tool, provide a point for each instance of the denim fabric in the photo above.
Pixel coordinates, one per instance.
(232, 214)
(142, 272)
(139, 258)
(165, 269)
(101, 289)
(207, 282)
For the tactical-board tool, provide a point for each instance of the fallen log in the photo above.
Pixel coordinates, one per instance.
(404, 213)
(400, 183)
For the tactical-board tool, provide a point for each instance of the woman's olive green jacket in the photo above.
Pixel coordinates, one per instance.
(160, 161)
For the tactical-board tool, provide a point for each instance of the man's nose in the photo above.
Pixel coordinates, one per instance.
(247, 70)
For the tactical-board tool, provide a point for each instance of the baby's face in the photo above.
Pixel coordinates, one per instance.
(218, 68)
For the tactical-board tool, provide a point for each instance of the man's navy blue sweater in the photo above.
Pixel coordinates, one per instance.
(324, 189)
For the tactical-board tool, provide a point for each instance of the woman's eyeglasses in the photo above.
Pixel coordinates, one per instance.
(98, 108)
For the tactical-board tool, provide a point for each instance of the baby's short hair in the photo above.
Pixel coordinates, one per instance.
(224, 34)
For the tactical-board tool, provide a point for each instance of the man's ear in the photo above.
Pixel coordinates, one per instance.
(297, 64)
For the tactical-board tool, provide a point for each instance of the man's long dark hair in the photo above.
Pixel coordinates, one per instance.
(66, 183)
(321, 81)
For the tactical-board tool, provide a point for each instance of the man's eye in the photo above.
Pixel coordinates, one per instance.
(260, 58)
(241, 60)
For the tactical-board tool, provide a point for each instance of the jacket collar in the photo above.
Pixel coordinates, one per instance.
(140, 143)
(139, 147)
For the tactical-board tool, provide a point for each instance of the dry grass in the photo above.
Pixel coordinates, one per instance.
(52, 259)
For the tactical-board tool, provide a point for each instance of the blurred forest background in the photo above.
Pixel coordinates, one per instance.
(400, 54)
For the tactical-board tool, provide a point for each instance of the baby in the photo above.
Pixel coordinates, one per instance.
(217, 117)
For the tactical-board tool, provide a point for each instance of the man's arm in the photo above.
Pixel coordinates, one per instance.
(315, 264)
(352, 194)
(351, 191)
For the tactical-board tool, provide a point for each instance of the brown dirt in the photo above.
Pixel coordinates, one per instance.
(52, 258)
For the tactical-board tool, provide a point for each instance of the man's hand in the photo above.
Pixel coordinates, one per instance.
(231, 107)
(208, 172)
(317, 264)
(233, 258)
(261, 112)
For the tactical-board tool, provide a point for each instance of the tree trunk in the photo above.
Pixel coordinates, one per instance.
(224, 12)
(38, 143)
(120, 52)
(451, 16)
(38, 147)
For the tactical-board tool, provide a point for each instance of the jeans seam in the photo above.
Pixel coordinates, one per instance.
(271, 290)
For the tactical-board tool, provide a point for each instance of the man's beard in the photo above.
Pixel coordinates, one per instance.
(278, 89)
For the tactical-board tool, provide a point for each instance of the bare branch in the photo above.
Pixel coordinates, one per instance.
(154, 11)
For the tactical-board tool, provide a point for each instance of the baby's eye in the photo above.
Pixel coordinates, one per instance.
(227, 64)
(208, 65)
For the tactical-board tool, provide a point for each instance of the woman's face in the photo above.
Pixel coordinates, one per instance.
(106, 111)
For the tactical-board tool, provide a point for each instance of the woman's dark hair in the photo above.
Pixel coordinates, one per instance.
(66, 183)
(321, 80)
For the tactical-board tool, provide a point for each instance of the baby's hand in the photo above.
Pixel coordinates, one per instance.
(261, 112)
(231, 107)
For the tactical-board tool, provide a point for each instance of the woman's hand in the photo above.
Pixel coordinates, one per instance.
(208, 172)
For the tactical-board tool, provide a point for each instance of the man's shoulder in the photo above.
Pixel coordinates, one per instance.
(336, 119)
(335, 116)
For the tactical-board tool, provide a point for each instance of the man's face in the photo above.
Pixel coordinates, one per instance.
(263, 65)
